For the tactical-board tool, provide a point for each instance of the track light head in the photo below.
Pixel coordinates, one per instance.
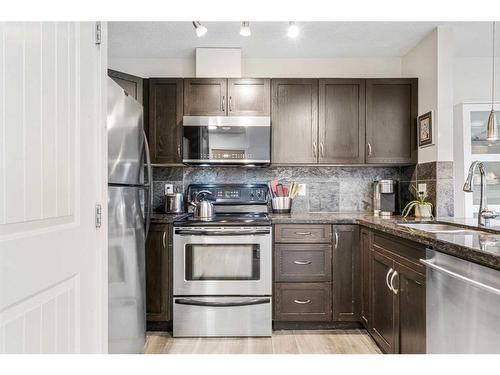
(200, 29)
(245, 29)
(293, 30)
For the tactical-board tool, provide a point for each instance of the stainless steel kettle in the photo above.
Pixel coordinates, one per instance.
(203, 207)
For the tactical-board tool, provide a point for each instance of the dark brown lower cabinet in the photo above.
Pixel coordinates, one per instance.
(364, 246)
(383, 319)
(158, 264)
(398, 311)
(346, 273)
(303, 302)
(411, 308)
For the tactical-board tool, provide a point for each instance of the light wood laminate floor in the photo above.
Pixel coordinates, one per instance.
(351, 341)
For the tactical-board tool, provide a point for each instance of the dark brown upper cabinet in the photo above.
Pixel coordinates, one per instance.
(131, 84)
(341, 121)
(249, 97)
(205, 97)
(346, 280)
(391, 120)
(165, 120)
(294, 112)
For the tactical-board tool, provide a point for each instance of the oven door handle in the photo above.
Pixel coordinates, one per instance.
(194, 302)
(188, 232)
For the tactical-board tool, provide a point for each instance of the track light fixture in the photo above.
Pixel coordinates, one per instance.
(200, 29)
(245, 29)
(293, 30)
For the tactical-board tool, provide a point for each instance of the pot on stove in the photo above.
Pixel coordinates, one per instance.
(203, 207)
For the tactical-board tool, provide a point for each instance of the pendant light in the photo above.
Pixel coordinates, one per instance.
(491, 128)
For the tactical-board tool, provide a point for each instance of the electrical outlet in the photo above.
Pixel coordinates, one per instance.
(422, 188)
(169, 188)
(302, 190)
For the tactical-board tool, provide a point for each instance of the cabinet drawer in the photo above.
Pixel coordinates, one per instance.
(307, 262)
(303, 302)
(303, 233)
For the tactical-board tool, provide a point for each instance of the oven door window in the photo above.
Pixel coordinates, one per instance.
(222, 262)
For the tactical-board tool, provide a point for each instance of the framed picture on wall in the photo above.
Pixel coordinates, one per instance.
(425, 130)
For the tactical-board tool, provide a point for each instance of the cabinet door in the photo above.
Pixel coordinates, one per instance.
(249, 97)
(383, 324)
(165, 120)
(158, 295)
(345, 273)
(391, 120)
(205, 97)
(341, 120)
(411, 318)
(365, 244)
(294, 112)
(131, 84)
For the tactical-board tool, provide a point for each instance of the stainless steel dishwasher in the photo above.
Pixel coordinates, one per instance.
(463, 306)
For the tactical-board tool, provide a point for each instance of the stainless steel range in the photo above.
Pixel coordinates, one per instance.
(223, 266)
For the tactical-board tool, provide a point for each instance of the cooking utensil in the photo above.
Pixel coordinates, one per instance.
(203, 207)
(274, 185)
(280, 190)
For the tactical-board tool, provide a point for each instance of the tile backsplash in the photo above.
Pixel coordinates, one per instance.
(328, 189)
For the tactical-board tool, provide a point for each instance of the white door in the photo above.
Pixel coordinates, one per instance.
(53, 259)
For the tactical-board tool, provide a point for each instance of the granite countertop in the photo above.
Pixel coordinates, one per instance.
(160, 218)
(482, 248)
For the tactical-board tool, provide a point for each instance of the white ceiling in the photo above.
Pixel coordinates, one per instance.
(269, 40)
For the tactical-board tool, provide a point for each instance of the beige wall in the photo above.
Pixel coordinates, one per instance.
(431, 61)
(335, 67)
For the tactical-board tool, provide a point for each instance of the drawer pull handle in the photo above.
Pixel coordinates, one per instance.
(302, 301)
(302, 262)
(303, 233)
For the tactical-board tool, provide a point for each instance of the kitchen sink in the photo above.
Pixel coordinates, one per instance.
(438, 228)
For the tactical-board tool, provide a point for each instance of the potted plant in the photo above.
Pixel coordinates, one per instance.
(421, 206)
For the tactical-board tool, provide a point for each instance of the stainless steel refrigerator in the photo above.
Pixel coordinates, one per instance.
(129, 198)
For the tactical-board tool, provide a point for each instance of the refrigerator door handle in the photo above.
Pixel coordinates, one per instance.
(149, 184)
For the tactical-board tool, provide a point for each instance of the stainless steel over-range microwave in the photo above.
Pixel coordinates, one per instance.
(233, 140)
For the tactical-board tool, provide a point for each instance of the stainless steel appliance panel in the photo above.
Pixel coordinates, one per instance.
(219, 261)
(125, 137)
(227, 140)
(222, 316)
(463, 306)
(126, 270)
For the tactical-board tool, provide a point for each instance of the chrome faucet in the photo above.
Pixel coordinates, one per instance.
(485, 214)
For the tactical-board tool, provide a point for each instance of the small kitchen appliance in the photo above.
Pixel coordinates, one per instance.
(222, 268)
(384, 197)
(174, 203)
(226, 140)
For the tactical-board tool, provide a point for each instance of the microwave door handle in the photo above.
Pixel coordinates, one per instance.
(194, 302)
